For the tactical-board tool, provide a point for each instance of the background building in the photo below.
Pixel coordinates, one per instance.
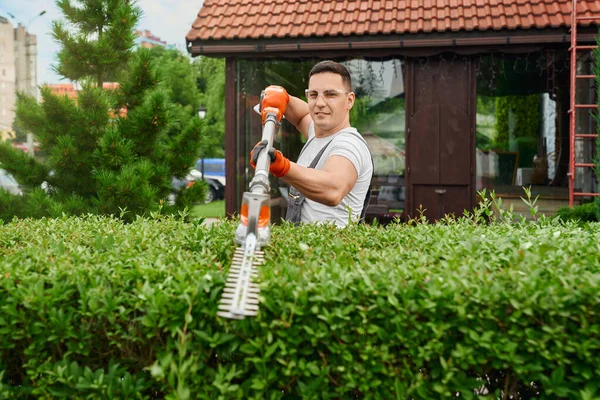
(26, 61)
(18, 71)
(63, 89)
(148, 40)
(7, 79)
(72, 89)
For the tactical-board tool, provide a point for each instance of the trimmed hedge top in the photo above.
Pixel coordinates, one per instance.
(94, 308)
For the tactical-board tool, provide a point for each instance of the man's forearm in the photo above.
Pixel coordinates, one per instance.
(315, 184)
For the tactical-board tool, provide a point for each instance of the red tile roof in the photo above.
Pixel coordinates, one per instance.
(72, 91)
(258, 19)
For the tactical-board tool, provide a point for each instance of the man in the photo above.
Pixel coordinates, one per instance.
(330, 181)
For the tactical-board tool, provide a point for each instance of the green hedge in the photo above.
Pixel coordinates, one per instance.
(526, 109)
(584, 213)
(92, 308)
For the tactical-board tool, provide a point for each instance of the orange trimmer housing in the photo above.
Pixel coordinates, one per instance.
(274, 101)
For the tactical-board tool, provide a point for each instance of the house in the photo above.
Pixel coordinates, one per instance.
(467, 94)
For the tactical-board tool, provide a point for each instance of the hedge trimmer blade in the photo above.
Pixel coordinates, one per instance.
(240, 296)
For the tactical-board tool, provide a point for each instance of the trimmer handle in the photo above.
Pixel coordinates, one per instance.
(273, 100)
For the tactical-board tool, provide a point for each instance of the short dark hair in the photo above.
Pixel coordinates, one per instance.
(333, 67)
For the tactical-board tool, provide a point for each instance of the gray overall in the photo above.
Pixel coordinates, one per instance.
(296, 199)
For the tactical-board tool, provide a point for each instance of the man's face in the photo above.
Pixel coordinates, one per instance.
(330, 110)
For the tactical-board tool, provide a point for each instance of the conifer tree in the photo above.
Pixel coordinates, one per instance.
(107, 151)
(102, 41)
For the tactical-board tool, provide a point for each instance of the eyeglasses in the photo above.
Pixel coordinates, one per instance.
(328, 94)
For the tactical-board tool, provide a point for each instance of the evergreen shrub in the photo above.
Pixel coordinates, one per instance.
(584, 213)
(94, 308)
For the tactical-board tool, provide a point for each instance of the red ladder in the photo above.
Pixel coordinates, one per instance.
(573, 135)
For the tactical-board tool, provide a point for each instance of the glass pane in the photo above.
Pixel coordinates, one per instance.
(585, 179)
(378, 115)
(522, 136)
(253, 76)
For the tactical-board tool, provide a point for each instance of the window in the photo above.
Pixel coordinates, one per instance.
(522, 136)
(378, 114)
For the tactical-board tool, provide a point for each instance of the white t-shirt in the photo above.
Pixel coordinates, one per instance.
(354, 149)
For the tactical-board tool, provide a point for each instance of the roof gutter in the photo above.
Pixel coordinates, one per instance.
(447, 42)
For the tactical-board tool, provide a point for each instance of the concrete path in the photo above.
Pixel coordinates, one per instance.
(210, 221)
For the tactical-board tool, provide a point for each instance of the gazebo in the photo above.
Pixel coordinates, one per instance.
(470, 94)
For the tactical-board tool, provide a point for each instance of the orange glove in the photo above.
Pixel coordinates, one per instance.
(280, 165)
(274, 100)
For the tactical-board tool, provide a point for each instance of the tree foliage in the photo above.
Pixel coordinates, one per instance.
(178, 77)
(107, 151)
(96, 38)
(192, 84)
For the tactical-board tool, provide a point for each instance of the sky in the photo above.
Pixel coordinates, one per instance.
(170, 20)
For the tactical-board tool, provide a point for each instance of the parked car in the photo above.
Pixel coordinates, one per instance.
(8, 183)
(215, 183)
(214, 171)
(213, 167)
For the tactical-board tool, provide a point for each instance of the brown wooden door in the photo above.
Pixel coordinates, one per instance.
(440, 139)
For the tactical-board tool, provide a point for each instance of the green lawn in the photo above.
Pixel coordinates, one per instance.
(216, 209)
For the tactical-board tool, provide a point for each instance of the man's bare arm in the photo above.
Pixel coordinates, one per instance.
(328, 185)
(297, 113)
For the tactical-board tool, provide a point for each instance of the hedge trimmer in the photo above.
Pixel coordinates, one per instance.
(240, 296)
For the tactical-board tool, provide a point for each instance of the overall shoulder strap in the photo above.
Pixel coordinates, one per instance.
(318, 156)
(305, 146)
(320, 153)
